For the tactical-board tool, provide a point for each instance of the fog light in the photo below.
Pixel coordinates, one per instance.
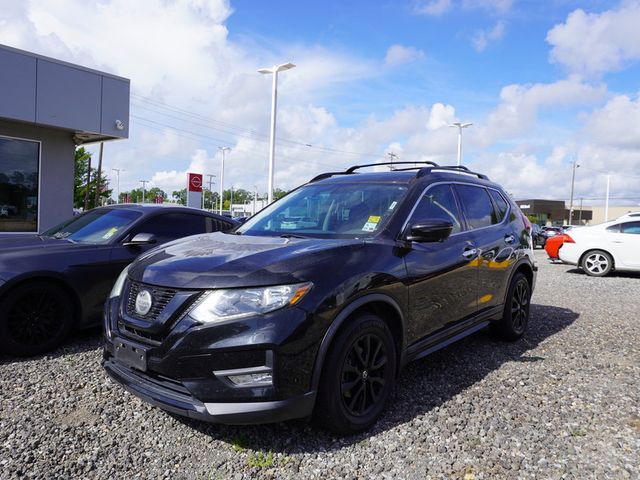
(252, 379)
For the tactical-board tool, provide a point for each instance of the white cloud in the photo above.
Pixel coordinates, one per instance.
(482, 38)
(597, 43)
(399, 54)
(498, 6)
(433, 7)
(617, 124)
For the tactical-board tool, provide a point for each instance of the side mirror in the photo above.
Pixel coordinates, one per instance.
(429, 231)
(141, 239)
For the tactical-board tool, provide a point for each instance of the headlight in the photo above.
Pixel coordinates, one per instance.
(117, 287)
(219, 305)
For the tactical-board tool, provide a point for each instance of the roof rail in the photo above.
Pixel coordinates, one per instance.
(356, 167)
(322, 176)
(454, 168)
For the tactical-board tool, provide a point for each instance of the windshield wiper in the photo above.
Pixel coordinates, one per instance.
(292, 235)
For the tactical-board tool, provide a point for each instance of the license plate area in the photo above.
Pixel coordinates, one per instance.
(130, 354)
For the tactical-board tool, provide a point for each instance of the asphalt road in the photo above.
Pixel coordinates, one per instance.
(564, 402)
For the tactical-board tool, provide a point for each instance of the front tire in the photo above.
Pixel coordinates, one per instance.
(515, 318)
(597, 263)
(358, 376)
(34, 318)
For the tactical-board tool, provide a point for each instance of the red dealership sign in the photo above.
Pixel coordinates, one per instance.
(195, 182)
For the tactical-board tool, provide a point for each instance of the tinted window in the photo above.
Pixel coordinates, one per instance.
(631, 227)
(477, 206)
(18, 185)
(500, 204)
(168, 226)
(614, 228)
(95, 226)
(438, 204)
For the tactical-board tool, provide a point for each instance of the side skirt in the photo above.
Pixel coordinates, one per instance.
(444, 338)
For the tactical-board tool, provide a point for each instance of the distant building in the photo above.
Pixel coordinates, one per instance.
(553, 212)
(47, 108)
(615, 211)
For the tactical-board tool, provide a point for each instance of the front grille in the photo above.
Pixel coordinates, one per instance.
(160, 298)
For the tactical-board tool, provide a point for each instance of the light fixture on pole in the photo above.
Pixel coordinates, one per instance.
(223, 150)
(274, 100)
(573, 181)
(460, 126)
(118, 170)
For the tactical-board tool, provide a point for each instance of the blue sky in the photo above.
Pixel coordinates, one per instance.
(544, 82)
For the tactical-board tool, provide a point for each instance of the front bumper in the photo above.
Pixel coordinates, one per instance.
(172, 398)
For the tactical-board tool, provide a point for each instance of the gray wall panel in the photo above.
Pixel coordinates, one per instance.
(115, 106)
(17, 86)
(68, 97)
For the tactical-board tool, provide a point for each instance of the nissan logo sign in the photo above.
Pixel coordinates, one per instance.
(143, 302)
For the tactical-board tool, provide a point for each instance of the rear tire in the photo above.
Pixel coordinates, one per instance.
(515, 318)
(597, 263)
(357, 377)
(34, 318)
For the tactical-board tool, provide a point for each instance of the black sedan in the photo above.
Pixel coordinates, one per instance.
(60, 279)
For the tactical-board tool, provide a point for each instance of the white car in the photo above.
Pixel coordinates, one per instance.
(602, 248)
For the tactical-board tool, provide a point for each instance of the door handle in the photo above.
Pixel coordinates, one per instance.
(509, 239)
(470, 253)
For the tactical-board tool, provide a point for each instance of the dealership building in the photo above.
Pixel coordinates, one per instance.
(553, 212)
(47, 108)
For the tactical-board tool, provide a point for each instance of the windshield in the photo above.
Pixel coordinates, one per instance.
(333, 210)
(95, 226)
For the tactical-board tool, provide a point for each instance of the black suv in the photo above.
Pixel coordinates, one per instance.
(314, 304)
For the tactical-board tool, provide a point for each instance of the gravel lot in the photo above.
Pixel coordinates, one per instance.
(562, 403)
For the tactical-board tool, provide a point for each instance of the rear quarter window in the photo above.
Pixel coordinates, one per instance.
(476, 206)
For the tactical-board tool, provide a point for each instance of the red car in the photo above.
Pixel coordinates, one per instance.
(553, 244)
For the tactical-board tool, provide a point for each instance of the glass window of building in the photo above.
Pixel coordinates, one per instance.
(19, 163)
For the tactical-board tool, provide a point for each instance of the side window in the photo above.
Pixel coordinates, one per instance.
(477, 206)
(439, 204)
(631, 227)
(614, 228)
(169, 226)
(500, 204)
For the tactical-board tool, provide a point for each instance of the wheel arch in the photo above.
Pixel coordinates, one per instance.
(382, 305)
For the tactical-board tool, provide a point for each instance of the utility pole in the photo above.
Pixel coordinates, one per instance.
(211, 177)
(392, 157)
(606, 203)
(573, 181)
(144, 184)
(118, 170)
(223, 150)
(97, 197)
(86, 192)
(255, 198)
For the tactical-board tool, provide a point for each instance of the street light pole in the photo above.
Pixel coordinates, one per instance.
(460, 126)
(223, 150)
(144, 184)
(118, 170)
(211, 177)
(573, 181)
(274, 101)
(606, 202)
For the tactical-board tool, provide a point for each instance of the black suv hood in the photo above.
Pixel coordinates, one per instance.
(221, 260)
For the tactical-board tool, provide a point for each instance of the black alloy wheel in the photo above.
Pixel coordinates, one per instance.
(363, 374)
(358, 376)
(34, 318)
(515, 318)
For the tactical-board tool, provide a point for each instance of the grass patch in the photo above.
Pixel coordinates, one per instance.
(261, 460)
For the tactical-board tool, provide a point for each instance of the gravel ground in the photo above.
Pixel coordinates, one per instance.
(564, 402)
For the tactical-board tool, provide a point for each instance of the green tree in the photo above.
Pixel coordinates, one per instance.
(150, 195)
(82, 158)
(279, 193)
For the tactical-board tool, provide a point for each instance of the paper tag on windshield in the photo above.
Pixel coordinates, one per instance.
(110, 233)
(372, 223)
(393, 205)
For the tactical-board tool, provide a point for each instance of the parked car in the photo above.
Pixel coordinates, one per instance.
(60, 279)
(600, 249)
(279, 319)
(553, 244)
(538, 236)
